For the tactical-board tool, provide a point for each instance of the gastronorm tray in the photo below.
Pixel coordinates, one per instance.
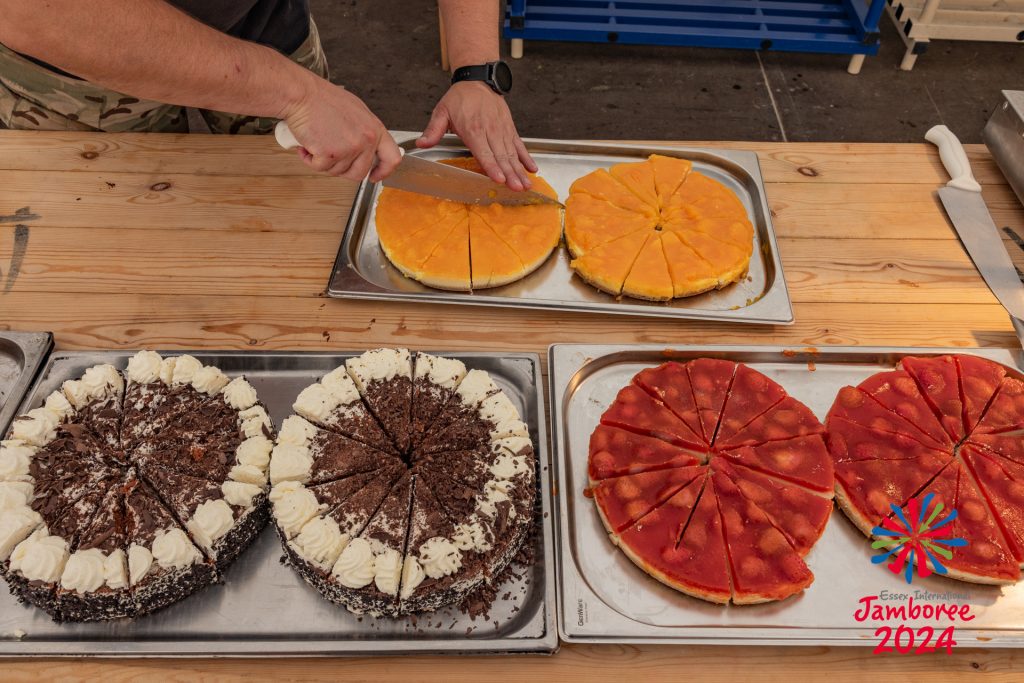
(604, 598)
(363, 272)
(264, 608)
(21, 356)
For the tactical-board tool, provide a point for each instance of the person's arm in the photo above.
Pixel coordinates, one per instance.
(151, 50)
(472, 110)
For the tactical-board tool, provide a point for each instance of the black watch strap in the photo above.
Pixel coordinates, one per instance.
(475, 72)
(496, 75)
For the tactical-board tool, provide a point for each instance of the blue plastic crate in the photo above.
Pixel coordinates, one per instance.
(835, 26)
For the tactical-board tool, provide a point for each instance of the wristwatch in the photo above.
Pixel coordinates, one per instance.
(497, 75)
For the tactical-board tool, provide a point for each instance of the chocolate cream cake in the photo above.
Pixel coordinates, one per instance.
(402, 483)
(127, 491)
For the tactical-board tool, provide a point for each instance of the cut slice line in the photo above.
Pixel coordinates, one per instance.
(865, 515)
(408, 534)
(770, 518)
(966, 469)
(158, 498)
(615, 530)
(443, 239)
(702, 476)
(604, 174)
(725, 540)
(725, 404)
(689, 517)
(920, 490)
(703, 362)
(650, 391)
(640, 432)
(989, 451)
(929, 399)
(751, 420)
(1009, 428)
(583, 265)
(960, 359)
(917, 430)
(915, 435)
(644, 469)
(990, 492)
(678, 435)
(614, 451)
(636, 258)
(779, 479)
(871, 430)
(499, 236)
(631, 190)
(469, 254)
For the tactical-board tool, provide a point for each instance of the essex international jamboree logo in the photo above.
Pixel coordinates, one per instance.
(917, 536)
(916, 540)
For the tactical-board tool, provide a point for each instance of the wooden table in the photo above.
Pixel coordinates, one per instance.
(128, 241)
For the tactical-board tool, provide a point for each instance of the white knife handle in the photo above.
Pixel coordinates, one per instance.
(954, 158)
(284, 136)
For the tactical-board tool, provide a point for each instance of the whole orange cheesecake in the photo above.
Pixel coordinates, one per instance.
(462, 247)
(656, 230)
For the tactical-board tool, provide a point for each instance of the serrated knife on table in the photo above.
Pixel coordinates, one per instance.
(961, 197)
(422, 176)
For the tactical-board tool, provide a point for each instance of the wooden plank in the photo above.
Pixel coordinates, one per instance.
(170, 261)
(231, 155)
(976, 5)
(281, 264)
(303, 204)
(876, 211)
(951, 28)
(904, 271)
(114, 321)
(573, 664)
(857, 163)
(162, 200)
(889, 271)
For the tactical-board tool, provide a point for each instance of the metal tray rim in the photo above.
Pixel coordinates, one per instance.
(347, 283)
(34, 347)
(560, 371)
(546, 644)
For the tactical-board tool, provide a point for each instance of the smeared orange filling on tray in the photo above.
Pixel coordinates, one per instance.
(461, 247)
(656, 230)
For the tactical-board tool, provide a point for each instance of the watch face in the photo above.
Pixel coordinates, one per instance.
(502, 76)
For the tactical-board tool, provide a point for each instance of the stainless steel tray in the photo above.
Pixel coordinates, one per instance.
(264, 608)
(1004, 136)
(363, 272)
(604, 598)
(21, 355)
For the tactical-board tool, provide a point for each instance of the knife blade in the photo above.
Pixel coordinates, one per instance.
(962, 200)
(974, 225)
(422, 176)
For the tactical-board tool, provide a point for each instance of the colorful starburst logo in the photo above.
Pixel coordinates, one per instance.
(919, 543)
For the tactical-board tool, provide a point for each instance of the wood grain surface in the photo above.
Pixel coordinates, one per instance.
(167, 241)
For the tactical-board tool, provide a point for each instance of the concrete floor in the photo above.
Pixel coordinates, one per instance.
(387, 52)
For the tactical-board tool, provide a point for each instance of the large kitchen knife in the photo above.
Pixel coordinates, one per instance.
(415, 174)
(966, 209)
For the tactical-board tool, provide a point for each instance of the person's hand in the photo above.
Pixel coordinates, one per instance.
(340, 135)
(481, 118)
